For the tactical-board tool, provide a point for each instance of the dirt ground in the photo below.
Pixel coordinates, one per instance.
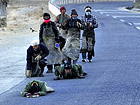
(21, 16)
(16, 38)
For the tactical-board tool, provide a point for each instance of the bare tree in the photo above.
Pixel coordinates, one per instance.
(3, 13)
(136, 3)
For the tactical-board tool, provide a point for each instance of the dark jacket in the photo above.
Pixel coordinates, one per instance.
(72, 23)
(89, 30)
(30, 53)
(62, 41)
(54, 28)
(42, 86)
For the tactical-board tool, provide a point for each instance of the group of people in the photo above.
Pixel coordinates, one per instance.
(59, 43)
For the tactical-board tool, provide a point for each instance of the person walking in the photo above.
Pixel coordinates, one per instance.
(88, 38)
(49, 35)
(72, 47)
(59, 21)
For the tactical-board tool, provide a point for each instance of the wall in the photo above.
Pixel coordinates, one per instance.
(60, 2)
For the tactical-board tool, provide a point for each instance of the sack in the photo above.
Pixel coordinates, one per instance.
(35, 70)
(62, 41)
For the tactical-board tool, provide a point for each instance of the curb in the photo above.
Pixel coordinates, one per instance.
(135, 10)
(54, 8)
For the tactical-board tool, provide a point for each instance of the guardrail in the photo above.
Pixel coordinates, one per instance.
(60, 2)
(54, 8)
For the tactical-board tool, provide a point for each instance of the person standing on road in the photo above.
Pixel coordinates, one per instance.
(63, 35)
(35, 58)
(36, 88)
(88, 40)
(60, 19)
(72, 47)
(49, 35)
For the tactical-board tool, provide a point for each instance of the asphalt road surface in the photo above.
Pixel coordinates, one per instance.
(113, 76)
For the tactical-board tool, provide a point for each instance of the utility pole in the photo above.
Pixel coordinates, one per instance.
(136, 4)
(3, 13)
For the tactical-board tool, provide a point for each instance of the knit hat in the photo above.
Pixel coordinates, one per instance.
(67, 66)
(73, 12)
(46, 14)
(62, 8)
(87, 8)
(34, 43)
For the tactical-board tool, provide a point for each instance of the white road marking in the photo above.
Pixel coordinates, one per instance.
(114, 17)
(123, 12)
(101, 13)
(122, 20)
(136, 23)
(105, 10)
(120, 14)
(125, 16)
(129, 23)
(138, 28)
(107, 15)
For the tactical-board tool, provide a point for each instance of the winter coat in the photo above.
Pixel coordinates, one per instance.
(42, 50)
(54, 28)
(72, 46)
(88, 39)
(42, 86)
(50, 36)
(60, 19)
(76, 70)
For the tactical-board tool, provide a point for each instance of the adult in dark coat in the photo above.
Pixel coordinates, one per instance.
(73, 26)
(49, 35)
(45, 24)
(36, 53)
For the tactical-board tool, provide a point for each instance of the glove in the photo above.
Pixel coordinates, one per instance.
(28, 73)
(57, 24)
(79, 25)
(56, 45)
(60, 26)
(89, 24)
(28, 95)
(38, 57)
(35, 95)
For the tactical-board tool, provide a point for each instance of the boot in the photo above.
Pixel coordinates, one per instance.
(57, 78)
(80, 76)
(83, 60)
(28, 73)
(49, 71)
(84, 74)
(41, 75)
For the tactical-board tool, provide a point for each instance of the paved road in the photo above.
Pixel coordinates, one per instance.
(113, 76)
